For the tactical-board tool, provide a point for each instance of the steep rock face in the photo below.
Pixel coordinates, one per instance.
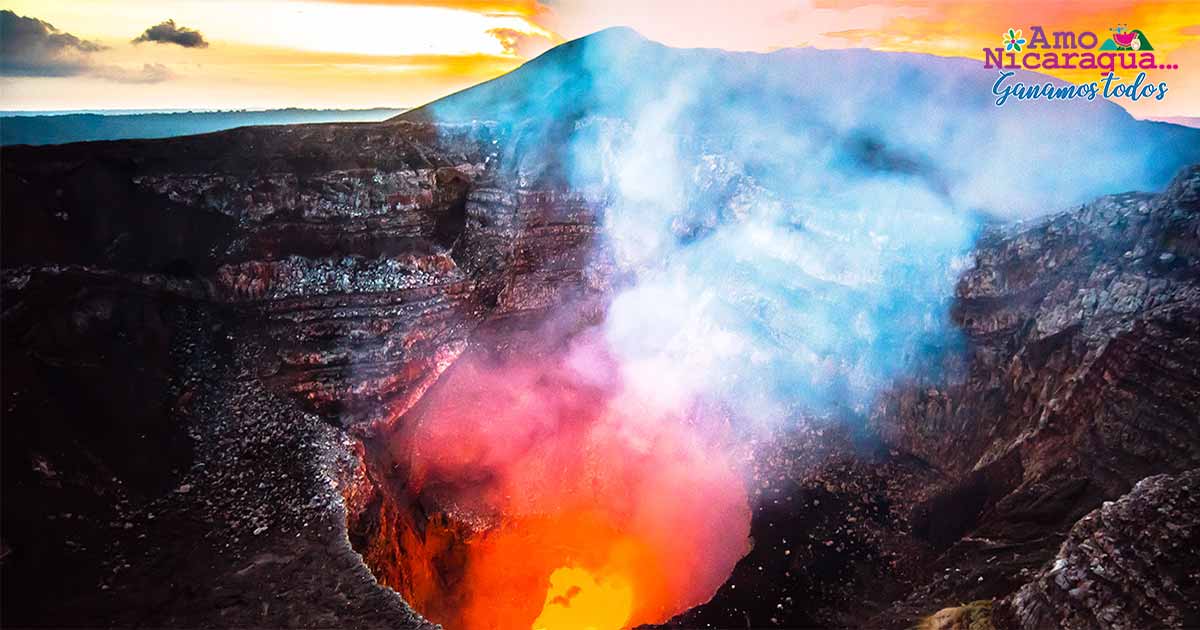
(1080, 361)
(1131, 563)
(1080, 378)
(1077, 327)
(184, 322)
(340, 240)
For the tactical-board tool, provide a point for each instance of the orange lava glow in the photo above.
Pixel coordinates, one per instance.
(546, 498)
(578, 600)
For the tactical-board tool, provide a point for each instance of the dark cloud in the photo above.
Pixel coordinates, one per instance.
(30, 47)
(170, 33)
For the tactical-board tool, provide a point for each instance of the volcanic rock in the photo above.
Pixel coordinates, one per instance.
(1080, 379)
(1131, 563)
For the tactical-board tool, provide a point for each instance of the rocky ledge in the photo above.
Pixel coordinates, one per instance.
(1131, 563)
(1080, 379)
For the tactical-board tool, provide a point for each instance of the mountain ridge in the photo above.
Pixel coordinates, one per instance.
(940, 114)
(17, 128)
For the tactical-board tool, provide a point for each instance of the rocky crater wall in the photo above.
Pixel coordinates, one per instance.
(203, 338)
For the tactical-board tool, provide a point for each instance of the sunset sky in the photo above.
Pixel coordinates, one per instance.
(223, 54)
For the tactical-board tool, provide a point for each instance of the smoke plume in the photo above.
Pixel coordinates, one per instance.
(786, 231)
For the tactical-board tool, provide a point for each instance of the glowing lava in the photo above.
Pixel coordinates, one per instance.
(544, 494)
(578, 601)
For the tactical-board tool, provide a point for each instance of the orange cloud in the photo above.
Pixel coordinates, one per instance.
(980, 25)
(479, 39)
(523, 8)
(761, 25)
(524, 45)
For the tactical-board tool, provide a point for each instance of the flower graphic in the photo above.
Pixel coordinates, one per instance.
(1013, 40)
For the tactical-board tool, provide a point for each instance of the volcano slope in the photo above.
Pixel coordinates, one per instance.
(210, 342)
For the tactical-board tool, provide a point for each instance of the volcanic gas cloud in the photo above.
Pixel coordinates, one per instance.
(551, 495)
(781, 245)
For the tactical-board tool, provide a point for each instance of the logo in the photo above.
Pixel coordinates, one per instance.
(1013, 40)
(1126, 40)
(1123, 49)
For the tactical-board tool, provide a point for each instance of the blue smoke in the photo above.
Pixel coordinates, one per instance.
(793, 224)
